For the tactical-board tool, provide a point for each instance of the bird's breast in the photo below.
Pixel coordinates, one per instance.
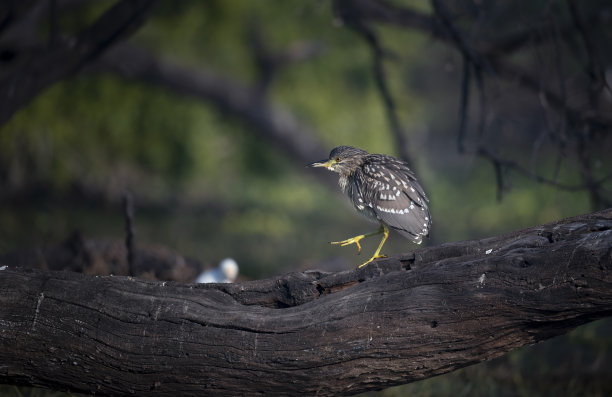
(343, 182)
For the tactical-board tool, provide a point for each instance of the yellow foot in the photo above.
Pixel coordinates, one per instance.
(349, 241)
(371, 259)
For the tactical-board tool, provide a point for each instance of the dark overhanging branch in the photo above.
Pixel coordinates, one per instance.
(269, 62)
(472, 60)
(398, 320)
(487, 57)
(378, 56)
(264, 117)
(594, 68)
(389, 103)
(383, 11)
(66, 56)
(249, 104)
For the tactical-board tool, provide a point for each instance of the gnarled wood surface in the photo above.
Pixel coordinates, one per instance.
(395, 321)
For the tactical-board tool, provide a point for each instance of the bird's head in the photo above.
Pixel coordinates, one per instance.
(229, 268)
(343, 160)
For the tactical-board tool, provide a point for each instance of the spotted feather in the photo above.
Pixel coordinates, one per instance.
(393, 196)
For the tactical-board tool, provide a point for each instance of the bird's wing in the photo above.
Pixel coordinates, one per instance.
(393, 193)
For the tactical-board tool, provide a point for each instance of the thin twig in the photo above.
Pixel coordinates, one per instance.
(513, 165)
(594, 68)
(458, 38)
(53, 22)
(482, 102)
(128, 213)
(378, 54)
(269, 62)
(463, 104)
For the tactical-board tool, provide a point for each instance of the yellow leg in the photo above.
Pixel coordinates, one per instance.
(377, 253)
(355, 240)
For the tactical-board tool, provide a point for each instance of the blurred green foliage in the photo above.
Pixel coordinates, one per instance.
(209, 187)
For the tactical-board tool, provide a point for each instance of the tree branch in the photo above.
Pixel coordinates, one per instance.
(273, 122)
(594, 67)
(269, 61)
(343, 9)
(488, 57)
(66, 56)
(398, 320)
(386, 12)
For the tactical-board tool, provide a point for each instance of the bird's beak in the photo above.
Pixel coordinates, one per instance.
(322, 163)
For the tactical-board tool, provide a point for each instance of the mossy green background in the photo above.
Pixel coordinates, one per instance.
(209, 187)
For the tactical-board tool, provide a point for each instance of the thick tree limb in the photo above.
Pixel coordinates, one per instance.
(398, 320)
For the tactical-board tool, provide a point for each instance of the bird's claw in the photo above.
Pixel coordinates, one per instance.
(349, 241)
(355, 240)
(372, 259)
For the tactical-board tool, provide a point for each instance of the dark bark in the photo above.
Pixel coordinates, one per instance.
(395, 321)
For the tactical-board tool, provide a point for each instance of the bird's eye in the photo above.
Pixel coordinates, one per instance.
(337, 159)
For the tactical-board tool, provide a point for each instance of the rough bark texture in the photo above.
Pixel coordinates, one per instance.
(395, 321)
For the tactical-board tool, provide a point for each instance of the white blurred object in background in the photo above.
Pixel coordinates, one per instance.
(225, 273)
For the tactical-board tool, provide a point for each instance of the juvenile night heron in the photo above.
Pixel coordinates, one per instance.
(383, 189)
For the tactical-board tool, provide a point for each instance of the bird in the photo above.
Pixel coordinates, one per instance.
(385, 190)
(226, 272)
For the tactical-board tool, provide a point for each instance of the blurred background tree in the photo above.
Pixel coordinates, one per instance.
(207, 112)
